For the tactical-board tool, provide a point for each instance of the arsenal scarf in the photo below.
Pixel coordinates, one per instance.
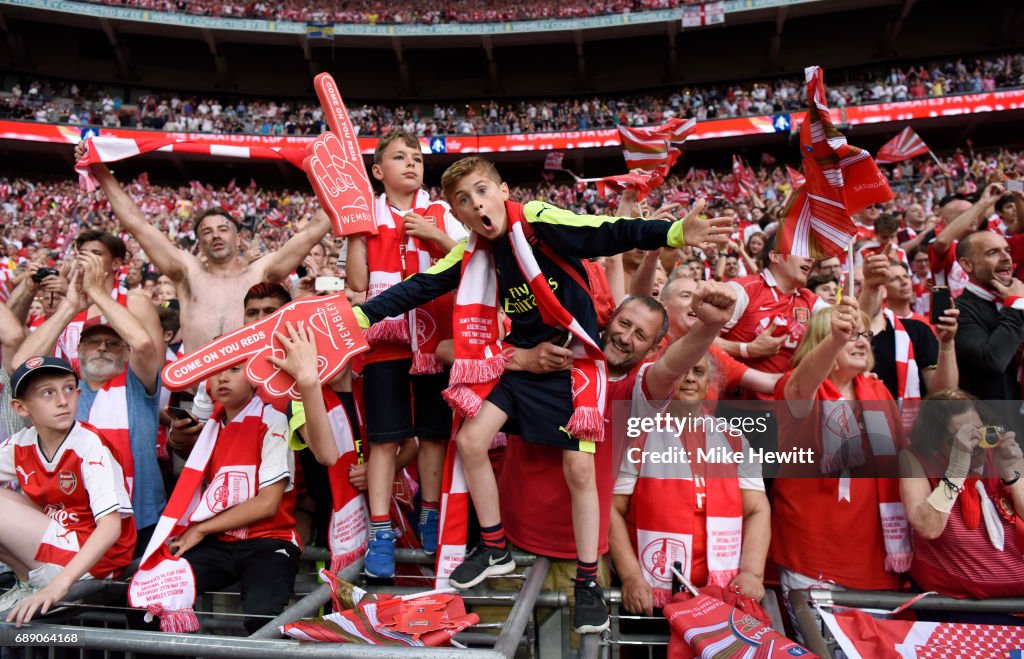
(109, 414)
(662, 534)
(165, 585)
(453, 522)
(841, 450)
(479, 361)
(908, 379)
(392, 257)
(348, 532)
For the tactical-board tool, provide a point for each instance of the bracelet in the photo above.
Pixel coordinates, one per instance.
(1007, 482)
(743, 351)
(952, 489)
(946, 347)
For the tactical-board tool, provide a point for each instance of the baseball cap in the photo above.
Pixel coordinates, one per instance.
(91, 327)
(36, 366)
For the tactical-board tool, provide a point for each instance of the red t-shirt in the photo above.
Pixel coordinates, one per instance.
(536, 508)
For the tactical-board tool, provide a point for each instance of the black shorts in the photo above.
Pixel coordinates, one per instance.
(394, 399)
(539, 408)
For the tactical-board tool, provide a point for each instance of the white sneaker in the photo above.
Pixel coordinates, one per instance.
(15, 594)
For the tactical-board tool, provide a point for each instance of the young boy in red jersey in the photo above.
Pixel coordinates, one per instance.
(527, 259)
(73, 518)
(403, 378)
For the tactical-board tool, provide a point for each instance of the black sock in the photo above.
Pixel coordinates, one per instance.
(494, 536)
(585, 572)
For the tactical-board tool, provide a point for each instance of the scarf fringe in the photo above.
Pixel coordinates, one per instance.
(463, 400)
(182, 621)
(587, 423)
(341, 561)
(898, 563)
(722, 577)
(425, 363)
(388, 331)
(478, 371)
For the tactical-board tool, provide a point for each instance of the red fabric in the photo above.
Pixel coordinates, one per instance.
(811, 527)
(531, 479)
(841, 181)
(1017, 254)
(600, 292)
(907, 144)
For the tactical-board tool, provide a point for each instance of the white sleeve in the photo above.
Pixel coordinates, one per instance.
(639, 406)
(750, 474)
(742, 302)
(104, 482)
(819, 304)
(277, 461)
(455, 229)
(625, 483)
(7, 466)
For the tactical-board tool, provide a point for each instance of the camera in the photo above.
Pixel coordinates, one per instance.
(43, 273)
(991, 436)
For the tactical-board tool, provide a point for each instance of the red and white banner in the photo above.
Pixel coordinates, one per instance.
(337, 334)
(860, 635)
(902, 111)
(708, 13)
(907, 144)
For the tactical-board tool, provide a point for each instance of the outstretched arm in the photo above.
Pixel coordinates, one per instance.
(279, 264)
(417, 290)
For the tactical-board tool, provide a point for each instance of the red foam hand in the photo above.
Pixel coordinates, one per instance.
(335, 166)
(337, 334)
(341, 185)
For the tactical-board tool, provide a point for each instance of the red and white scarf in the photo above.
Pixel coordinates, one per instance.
(109, 414)
(663, 533)
(454, 514)
(393, 257)
(908, 378)
(841, 450)
(986, 294)
(348, 532)
(479, 361)
(165, 585)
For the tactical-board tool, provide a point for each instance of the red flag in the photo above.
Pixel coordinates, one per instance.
(860, 635)
(767, 159)
(841, 180)
(643, 181)
(647, 147)
(554, 160)
(796, 179)
(276, 218)
(907, 144)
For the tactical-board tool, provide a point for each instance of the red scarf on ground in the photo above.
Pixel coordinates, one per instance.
(479, 361)
(840, 447)
(165, 585)
(393, 257)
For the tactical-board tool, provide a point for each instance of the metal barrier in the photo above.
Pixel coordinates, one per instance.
(818, 640)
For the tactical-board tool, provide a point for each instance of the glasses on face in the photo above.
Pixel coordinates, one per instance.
(110, 344)
(867, 335)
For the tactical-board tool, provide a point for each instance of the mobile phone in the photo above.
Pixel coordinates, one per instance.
(940, 299)
(179, 413)
(1015, 185)
(329, 284)
(301, 271)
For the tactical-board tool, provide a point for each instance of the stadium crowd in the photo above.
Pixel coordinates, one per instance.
(390, 13)
(80, 105)
(699, 307)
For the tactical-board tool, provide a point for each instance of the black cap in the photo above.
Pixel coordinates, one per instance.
(36, 366)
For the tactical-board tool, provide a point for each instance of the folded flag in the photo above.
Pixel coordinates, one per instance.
(642, 180)
(841, 180)
(648, 147)
(907, 144)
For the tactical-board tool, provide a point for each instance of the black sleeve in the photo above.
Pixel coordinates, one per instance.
(990, 348)
(926, 346)
(419, 289)
(585, 236)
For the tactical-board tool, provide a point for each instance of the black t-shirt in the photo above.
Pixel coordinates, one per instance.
(883, 345)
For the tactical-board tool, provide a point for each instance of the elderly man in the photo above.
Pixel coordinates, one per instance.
(120, 367)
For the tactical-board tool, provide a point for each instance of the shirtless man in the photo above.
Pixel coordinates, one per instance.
(209, 290)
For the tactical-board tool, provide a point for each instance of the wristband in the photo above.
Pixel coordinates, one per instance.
(959, 463)
(940, 500)
(1007, 482)
(743, 351)
(361, 318)
(675, 235)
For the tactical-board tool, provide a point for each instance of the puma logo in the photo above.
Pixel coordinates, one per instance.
(64, 536)
(277, 434)
(21, 470)
(283, 551)
(95, 462)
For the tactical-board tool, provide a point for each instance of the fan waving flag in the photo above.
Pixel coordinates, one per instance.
(841, 180)
(643, 181)
(796, 179)
(907, 144)
(649, 147)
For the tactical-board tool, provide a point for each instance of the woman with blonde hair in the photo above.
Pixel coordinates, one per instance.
(846, 526)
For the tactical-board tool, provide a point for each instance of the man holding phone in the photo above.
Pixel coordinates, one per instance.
(991, 318)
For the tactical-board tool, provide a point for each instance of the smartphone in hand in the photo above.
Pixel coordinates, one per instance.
(940, 300)
(179, 413)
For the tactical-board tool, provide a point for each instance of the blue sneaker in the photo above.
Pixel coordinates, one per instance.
(428, 533)
(380, 556)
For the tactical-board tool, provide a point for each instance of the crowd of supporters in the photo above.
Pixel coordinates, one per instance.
(375, 12)
(712, 313)
(84, 104)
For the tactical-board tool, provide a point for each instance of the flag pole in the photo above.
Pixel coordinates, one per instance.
(849, 270)
(935, 158)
